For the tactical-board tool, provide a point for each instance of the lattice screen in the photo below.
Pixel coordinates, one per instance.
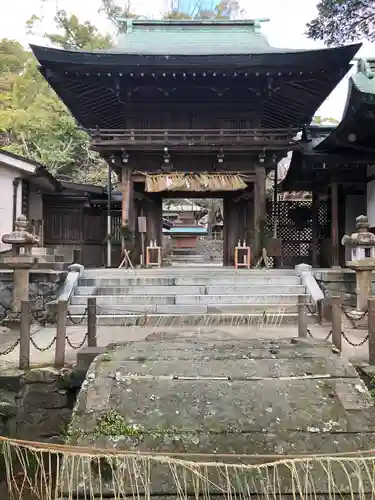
(295, 229)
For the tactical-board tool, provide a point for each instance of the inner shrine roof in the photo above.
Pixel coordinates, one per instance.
(350, 144)
(355, 133)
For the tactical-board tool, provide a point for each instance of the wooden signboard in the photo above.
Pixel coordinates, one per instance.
(274, 247)
(142, 225)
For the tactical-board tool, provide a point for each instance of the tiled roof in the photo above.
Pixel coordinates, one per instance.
(194, 38)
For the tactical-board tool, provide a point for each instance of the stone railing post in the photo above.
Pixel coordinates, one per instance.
(302, 316)
(62, 309)
(91, 322)
(336, 322)
(371, 331)
(25, 323)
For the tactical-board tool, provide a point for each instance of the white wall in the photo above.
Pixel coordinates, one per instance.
(6, 202)
(7, 175)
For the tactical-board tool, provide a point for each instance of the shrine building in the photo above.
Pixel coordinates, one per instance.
(208, 108)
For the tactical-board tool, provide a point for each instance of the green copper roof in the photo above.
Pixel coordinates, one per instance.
(364, 80)
(181, 37)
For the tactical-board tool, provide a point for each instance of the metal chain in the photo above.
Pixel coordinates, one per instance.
(10, 349)
(79, 321)
(353, 320)
(42, 349)
(78, 346)
(310, 309)
(352, 343)
(68, 341)
(312, 336)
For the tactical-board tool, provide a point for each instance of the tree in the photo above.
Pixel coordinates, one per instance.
(115, 12)
(214, 209)
(223, 10)
(76, 35)
(35, 123)
(341, 21)
(320, 120)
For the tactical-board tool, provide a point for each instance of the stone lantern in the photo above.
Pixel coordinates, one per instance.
(362, 248)
(20, 261)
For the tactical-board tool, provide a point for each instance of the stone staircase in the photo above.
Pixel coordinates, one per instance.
(195, 296)
(182, 256)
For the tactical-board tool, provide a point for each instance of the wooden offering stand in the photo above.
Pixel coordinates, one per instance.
(242, 256)
(151, 250)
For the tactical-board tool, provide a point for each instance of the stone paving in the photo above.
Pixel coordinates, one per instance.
(112, 334)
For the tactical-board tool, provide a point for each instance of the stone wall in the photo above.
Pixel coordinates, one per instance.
(337, 282)
(36, 405)
(44, 287)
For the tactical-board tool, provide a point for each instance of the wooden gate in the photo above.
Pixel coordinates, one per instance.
(74, 226)
(295, 229)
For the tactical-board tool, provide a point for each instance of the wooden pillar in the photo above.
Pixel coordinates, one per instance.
(230, 230)
(335, 259)
(154, 220)
(249, 215)
(259, 209)
(315, 229)
(127, 209)
(341, 223)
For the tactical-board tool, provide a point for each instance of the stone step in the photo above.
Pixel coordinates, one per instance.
(187, 299)
(167, 272)
(199, 280)
(234, 309)
(192, 289)
(187, 257)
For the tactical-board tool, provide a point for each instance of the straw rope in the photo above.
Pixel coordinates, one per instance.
(43, 471)
(177, 181)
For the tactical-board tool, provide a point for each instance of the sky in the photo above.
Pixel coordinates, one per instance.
(286, 27)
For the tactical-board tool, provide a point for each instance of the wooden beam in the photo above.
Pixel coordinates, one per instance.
(127, 197)
(315, 228)
(259, 209)
(335, 260)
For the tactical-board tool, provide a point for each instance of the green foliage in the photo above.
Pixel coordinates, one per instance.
(115, 12)
(12, 56)
(320, 120)
(112, 424)
(222, 10)
(342, 21)
(33, 121)
(76, 35)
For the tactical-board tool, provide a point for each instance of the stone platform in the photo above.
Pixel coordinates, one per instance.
(213, 394)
